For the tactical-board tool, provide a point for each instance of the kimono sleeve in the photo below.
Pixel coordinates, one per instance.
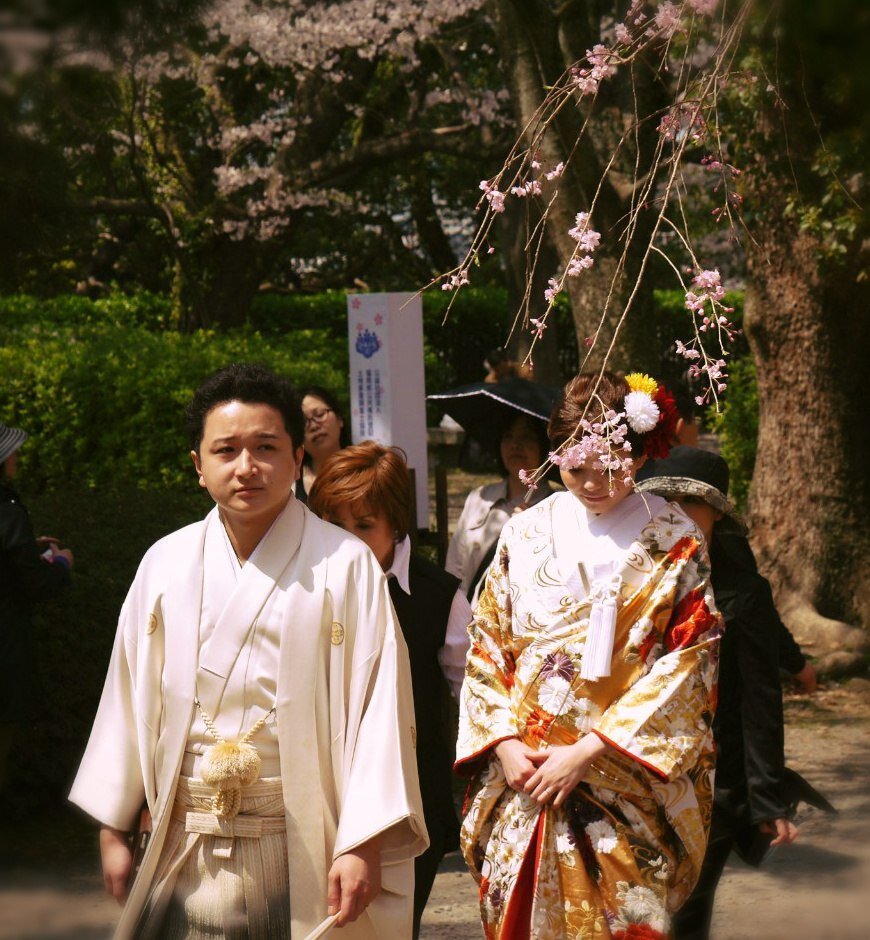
(486, 715)
(664, 720)
(381, 792)
(109, 784)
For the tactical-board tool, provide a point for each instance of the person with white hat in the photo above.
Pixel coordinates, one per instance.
(30, 569)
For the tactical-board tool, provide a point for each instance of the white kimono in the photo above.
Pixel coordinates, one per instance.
(344, 708)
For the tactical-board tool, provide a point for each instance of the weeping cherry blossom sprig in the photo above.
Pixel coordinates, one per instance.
(726, 175)
(709, 316)
(533, 170)
(599, 443)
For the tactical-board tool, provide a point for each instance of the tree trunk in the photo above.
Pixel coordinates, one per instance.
(513, 233)
(214, 285)
(807, 326)
(537, 45)
(806, 319)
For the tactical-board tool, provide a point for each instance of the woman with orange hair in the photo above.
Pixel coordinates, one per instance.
(366, 490)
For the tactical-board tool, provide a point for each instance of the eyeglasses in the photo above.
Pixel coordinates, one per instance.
(316, 416)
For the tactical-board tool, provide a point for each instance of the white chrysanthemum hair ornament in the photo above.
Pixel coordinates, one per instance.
(607, 422)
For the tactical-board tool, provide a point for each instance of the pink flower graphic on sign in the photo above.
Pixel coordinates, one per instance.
(378, 319)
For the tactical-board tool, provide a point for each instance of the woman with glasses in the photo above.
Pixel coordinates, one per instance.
(325, 433)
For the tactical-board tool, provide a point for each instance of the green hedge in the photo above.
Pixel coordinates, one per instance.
(737, 426)
(105, 403)
(101, 383)
(24, 311)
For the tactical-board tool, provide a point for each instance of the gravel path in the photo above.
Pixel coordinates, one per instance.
(816, 889)
(813, 890)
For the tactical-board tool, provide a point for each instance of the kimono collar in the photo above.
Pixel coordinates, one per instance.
(597, 546)
(256, 581)
(401, 561)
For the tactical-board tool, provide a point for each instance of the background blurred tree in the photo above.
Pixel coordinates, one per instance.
(600, 148)
(259, 141)
(799, 128)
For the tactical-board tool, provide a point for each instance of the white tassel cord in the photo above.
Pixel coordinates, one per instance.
(601, 633)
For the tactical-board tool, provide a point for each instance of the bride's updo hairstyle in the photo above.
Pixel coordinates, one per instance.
(574, 405)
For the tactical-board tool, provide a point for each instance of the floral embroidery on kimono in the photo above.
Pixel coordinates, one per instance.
(625, 849)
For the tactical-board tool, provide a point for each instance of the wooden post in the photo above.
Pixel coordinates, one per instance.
(414, 531)
(441, 516)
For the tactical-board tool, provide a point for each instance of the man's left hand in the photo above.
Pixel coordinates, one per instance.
(354, 881)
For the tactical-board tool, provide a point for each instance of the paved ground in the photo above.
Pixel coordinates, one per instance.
(813, 890)
(816, 889)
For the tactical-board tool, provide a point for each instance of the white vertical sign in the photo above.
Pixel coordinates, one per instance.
(387, 380)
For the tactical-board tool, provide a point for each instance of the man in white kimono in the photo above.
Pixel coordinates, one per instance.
(258, 702)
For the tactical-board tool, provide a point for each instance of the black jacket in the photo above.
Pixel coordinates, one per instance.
(736, 550)
(748, 726)
(423, 616)
(24, 579)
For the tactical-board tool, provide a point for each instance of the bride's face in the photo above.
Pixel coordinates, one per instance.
(599, 491)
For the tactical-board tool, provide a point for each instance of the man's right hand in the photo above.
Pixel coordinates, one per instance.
(516, 762)
(117, 859)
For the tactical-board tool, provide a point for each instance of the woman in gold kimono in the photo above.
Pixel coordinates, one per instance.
(590, 689)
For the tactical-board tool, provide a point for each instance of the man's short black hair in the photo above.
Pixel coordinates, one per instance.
(252, 384)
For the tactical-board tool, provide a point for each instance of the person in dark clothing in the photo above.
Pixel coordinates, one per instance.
(734, 543)
(366, 490)
(751, 803)
(735, 548)
(30, 569)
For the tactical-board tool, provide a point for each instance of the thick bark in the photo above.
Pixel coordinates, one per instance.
(807, 325)
(521, 274)
(806, 318)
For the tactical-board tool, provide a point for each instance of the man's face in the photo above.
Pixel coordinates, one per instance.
(247, 461)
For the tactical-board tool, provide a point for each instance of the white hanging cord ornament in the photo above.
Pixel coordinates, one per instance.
(601, 632)
(230, 765)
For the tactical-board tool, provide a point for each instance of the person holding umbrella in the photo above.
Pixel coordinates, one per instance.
(509, 418)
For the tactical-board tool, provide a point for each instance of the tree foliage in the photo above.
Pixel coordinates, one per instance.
(281, 142)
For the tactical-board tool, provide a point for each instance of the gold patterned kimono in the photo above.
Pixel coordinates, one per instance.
(624, 850)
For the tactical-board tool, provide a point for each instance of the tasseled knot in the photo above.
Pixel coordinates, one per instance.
(229, 767)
